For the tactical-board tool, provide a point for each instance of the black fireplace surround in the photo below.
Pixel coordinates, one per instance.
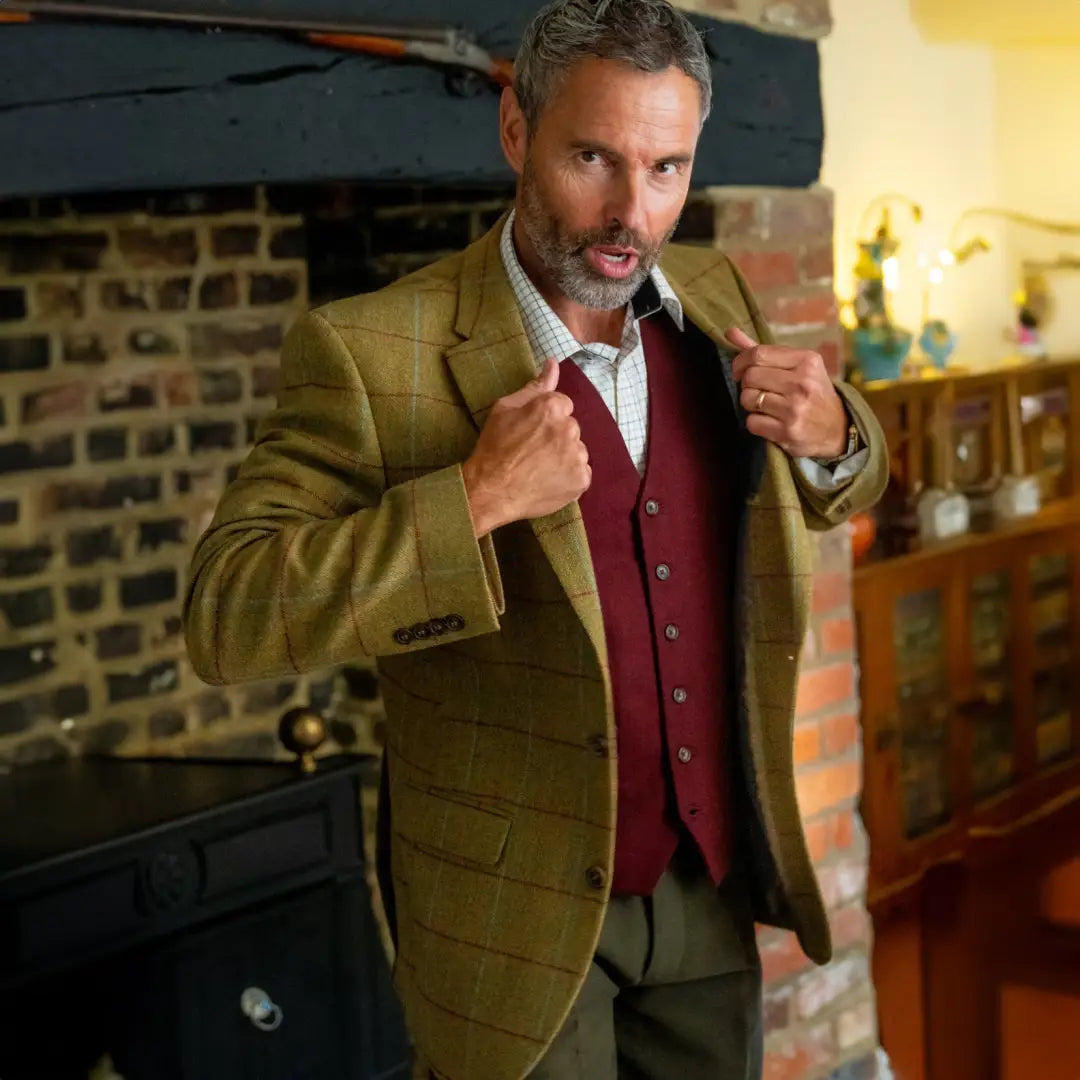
(88, 107)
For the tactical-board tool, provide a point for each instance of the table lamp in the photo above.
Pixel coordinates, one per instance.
(879, 345)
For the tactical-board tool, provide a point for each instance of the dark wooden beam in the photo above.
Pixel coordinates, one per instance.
(95, 108)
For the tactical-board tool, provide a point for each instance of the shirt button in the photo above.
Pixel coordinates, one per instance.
(671, 632)
(679, 695)
(663, 571)
(595, 877)
(652, 508)
(685, 754)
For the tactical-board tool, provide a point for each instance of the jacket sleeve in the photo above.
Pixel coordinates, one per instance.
(311, 560)
(825, 509)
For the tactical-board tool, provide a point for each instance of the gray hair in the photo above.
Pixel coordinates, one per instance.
(651, 35)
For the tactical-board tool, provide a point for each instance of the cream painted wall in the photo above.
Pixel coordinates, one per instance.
(1038, 165)
(1038, 147)
(1034, 22)
(903, 114)
(1038, 138)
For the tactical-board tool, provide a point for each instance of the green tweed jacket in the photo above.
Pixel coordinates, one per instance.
(347, 535)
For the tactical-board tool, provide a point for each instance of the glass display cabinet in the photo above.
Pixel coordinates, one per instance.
(969, 647)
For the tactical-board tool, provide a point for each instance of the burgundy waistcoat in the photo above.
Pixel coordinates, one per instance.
(663, 552)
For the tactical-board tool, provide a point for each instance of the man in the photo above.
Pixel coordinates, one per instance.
(562, 496)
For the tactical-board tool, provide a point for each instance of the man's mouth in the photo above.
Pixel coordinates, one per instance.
(612, 262)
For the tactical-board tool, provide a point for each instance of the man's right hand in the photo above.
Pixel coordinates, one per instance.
(529, 460)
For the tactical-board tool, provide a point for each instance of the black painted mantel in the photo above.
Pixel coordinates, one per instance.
(104, 107)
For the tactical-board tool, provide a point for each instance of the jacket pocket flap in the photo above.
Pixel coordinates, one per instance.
(447, 824)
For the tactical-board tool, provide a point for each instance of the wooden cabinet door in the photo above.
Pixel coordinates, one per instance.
(907, 641)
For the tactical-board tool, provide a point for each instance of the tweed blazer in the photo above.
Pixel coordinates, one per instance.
(347, 537)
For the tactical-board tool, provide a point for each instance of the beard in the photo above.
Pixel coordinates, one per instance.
(562, 251)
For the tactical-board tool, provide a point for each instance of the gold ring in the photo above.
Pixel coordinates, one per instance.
(760, 401)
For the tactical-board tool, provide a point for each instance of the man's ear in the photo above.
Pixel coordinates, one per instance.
(513, 131)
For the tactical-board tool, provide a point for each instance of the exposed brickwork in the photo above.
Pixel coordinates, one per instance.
(782, 241)
(130, 340)
(820, 1021)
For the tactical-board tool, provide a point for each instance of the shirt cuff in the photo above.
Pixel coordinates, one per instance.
(835, 474)
(833, 477)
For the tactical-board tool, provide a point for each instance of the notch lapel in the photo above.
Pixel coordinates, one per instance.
(494, 360)
(711, 314)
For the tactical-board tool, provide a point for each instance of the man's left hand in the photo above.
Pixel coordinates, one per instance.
(790, 398)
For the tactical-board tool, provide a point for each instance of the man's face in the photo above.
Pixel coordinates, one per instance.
(605, 175)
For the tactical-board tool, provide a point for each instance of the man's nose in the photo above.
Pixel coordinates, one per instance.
(627, 203)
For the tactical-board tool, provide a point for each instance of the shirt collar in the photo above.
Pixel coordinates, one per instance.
(654, 295)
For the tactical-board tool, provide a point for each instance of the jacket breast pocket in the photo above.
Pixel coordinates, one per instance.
(441, 822)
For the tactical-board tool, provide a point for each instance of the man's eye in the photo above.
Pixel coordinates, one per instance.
(667, 168)
(590, 157)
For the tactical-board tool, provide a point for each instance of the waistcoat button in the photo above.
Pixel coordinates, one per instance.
(679, 695)
(671, 632)
(663, 571)
(652, 508)
(685, 754)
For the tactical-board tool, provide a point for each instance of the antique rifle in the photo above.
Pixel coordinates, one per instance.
(442, 45)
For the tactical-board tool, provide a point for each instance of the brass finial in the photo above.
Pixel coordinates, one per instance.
(302, 731)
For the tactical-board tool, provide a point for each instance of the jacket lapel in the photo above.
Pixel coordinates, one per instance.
(709, 310)
(494, 360)
(712, 315)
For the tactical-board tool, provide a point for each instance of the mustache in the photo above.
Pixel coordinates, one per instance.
(613, 236)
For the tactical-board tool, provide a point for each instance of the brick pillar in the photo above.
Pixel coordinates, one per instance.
(820, 1022)
(139, 342)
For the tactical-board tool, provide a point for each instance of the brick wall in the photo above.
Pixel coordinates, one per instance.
(138, 342)
(821, 1022)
